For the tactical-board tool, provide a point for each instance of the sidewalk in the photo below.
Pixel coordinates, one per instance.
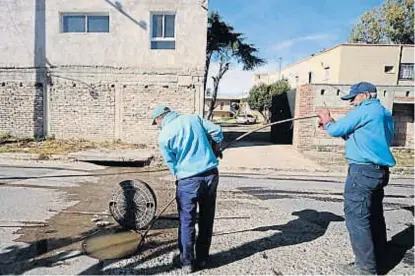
(266, 157)
(245, 157)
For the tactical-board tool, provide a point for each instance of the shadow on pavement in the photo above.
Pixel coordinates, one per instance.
(400, 247)
(309, 226)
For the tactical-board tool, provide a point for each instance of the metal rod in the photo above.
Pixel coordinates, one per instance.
(150, 225)
(268, 125)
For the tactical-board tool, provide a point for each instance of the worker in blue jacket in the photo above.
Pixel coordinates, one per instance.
(190, 145)
(368, 130)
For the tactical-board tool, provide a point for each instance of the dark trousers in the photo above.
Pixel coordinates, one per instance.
(363, 208)
(197, 190)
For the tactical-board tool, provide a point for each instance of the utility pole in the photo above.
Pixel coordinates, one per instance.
(279, 74)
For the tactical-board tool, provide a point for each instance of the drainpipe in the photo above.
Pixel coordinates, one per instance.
(399, 64)
(40, 65)
(391, 97)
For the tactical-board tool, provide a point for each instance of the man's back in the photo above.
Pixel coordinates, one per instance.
(184, 140)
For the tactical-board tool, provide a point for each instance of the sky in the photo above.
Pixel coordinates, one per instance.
(286, 29)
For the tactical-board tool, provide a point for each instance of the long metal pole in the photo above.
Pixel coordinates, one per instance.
(268, 125)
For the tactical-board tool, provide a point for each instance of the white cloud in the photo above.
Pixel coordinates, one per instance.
(289, 43)
(237, 81)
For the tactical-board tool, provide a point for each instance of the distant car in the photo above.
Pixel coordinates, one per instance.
(245, 119)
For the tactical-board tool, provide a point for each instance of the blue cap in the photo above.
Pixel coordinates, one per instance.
(158, 111)
(358, 88)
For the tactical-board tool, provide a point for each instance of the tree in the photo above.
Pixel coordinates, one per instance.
(393, 22)
(369, 30)
(398, 20)
(225, 45)
(260, 96)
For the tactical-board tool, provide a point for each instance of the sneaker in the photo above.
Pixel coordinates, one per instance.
(187, 269)
(351, 269)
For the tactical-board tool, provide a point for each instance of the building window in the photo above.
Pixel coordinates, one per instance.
(310, 77)
(163, 31)
(222, 104)
(326, 73)
(389, 69)
(407, 71)
(85, 23)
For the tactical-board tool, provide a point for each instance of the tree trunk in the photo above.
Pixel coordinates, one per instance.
(223, 67)
(207, 65)
(263, 116)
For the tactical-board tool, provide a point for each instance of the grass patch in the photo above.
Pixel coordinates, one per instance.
(50, 146)
(404, 159)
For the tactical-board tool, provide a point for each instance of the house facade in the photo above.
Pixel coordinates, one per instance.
(381, 64)
(95, 69)
(323, 78)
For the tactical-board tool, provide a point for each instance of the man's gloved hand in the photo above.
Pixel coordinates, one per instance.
(217, 150)
(324, 118)
(176, 182)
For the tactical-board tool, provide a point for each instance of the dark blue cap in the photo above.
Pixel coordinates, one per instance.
(358, 88)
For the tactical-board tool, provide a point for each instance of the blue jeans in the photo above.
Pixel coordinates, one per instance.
(363, 208)
(196, 190)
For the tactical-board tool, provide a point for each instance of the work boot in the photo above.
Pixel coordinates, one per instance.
(351, 269)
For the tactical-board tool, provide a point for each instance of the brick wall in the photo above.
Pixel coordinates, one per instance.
(312, 98)
(403, 115)
(81, 111)
(21, 108)
(98, 103)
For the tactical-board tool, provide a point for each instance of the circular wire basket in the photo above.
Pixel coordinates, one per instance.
(133, 205)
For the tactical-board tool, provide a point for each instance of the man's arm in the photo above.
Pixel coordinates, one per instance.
(346, 125)
(169, 156)
(214, 131)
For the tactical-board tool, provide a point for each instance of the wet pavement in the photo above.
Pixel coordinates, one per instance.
(263, 226)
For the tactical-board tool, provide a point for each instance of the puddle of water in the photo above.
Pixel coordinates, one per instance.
(112, 246)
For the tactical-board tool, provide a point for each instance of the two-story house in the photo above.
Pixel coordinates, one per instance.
(95, 69)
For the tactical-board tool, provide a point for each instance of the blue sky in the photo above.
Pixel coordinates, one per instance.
(290, 29)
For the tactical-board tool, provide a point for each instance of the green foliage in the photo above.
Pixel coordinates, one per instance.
(226, 46)
(393, 22)
(260, 96)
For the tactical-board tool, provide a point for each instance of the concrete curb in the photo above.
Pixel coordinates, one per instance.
(126, 156)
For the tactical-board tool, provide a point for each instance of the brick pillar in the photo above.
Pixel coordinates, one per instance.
(304, 129)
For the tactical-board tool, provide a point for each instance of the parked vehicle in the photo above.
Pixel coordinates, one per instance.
(245, 119)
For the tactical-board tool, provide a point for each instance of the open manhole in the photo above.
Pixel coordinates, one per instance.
(133, 205)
